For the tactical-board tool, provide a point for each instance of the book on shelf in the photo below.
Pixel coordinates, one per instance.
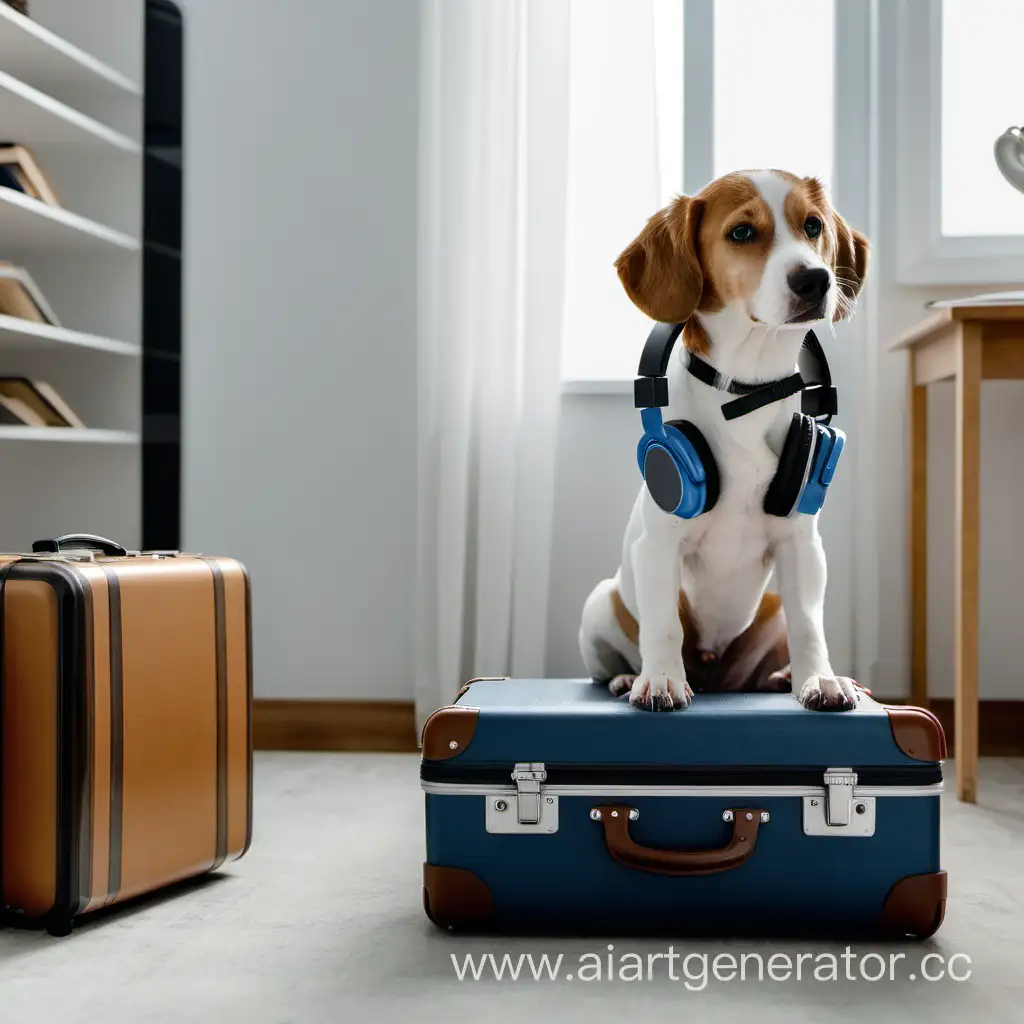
(21, 297)
(20, 170)
(14, 412)
(36, 403)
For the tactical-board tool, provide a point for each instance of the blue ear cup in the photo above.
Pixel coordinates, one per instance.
(677, 466)
(807, 464)
(829, 447)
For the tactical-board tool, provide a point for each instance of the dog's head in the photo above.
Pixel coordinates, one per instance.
(765, 243)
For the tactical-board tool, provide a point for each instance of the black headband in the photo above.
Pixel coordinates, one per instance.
(819, 398)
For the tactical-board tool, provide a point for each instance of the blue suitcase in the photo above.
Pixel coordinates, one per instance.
(551, 806)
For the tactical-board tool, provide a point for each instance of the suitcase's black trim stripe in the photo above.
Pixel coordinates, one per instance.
(220, 630)
(681, 775)
(73, 772)
(86, 838)
(248, 708)
(5, 571)
(73, 794)
(115, 855)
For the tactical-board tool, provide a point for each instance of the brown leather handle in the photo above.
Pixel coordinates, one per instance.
(615, 819)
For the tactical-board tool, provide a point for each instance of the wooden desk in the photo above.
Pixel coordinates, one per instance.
(967, 344)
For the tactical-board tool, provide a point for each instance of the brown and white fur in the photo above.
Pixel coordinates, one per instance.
(688, 606)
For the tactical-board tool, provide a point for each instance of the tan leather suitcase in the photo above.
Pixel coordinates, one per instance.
(125, 724)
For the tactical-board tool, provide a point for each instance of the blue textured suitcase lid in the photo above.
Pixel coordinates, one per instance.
(575, 722)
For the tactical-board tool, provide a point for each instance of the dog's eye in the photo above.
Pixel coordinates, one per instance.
(743, 233)
(813, 227)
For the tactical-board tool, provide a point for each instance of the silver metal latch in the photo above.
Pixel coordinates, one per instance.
(534, 812)
(840, 811)
(839, 783)
(528, 776)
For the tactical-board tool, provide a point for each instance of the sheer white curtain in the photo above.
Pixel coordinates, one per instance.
(504, 215)
(494, 116)
(625, 162)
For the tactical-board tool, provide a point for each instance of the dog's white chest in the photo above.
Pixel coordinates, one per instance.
(727, 541)
(726, 555)
(724, 567)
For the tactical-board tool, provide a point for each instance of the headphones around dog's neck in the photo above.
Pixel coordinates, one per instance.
(676, 461)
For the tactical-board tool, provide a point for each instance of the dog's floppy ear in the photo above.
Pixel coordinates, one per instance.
(660, 269)
(850, 263)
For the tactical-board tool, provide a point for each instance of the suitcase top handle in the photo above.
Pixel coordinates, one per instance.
(78, 541)
(624, 849)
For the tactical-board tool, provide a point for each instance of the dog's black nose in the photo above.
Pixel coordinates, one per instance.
(809, 283)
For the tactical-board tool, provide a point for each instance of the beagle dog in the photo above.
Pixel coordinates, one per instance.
(750, 264)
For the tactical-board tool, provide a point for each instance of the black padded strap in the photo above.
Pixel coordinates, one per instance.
(776, 391)
(707, 374)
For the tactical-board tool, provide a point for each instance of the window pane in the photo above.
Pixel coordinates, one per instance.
(981, 98)
(774, 86)
(625, 163)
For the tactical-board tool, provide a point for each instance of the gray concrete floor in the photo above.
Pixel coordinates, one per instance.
(322, 922)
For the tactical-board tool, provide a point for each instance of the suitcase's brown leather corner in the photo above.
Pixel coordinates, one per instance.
(454, 897)
(917, 733)
(448, 731)
(915, 905)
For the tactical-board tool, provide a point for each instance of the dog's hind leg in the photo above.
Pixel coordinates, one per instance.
(609, 654)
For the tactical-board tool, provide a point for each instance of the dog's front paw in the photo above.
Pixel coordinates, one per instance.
(828, 693)
(659, 693)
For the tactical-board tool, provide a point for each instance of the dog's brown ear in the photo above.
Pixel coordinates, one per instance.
(850, 263)
(660, 269)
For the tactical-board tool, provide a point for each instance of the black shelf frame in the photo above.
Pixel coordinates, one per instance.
(163, 193)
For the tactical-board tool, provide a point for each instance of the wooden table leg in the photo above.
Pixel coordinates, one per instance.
(968, 447)
(918, 535)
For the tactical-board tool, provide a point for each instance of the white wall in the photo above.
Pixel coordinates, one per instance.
(300, 186)
(1002, 473)
(596, 486)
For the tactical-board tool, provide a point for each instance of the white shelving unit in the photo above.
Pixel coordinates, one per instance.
(67, 435)
(30, 224)
(35, 55)
(26, 336)
(71, 91)
(26, 112)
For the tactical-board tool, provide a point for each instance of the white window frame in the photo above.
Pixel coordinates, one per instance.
(698, 143)
(698, 94)
(924, 255)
